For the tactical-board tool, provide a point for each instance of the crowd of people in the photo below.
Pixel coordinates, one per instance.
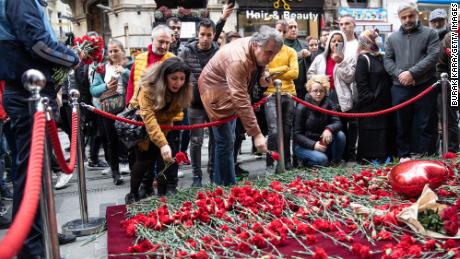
(217, 75)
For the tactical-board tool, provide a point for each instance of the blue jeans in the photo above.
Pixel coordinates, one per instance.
(224, 166)
(333, 153)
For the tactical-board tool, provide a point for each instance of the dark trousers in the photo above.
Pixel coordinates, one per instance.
(287, 111)
(113, 145)
(239, 137)
(198, 116)
(452, 123)
(17, 106)
(143, 167)
(421, 116)
(185, 134)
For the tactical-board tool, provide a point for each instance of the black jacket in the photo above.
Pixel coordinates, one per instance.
(374, 90)
(309, 124)
(196, 59)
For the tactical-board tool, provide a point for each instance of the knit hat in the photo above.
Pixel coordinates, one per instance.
(438, 14)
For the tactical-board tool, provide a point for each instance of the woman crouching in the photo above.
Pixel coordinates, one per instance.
(318, 138)
(165, 92)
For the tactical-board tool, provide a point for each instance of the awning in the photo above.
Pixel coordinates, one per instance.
(437, 1)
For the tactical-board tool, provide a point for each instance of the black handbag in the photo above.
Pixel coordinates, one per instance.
(130, 135)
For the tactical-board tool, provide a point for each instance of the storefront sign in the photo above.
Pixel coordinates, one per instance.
(363, 14)
(383, 28)
(276, 15)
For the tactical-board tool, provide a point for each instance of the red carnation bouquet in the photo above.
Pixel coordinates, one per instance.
(444, 221)
(91, 49)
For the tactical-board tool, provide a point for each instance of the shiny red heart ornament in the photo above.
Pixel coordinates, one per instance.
(409, 178)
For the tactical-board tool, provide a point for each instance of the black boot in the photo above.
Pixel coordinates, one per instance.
(117, 178)
(171, 189)
(131, 198)
(161, 189)
(197, 182)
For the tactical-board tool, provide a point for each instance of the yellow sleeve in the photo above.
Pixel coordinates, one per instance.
(293, 67)
(148, 115)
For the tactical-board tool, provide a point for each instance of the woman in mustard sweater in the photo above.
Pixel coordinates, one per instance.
(165, 92)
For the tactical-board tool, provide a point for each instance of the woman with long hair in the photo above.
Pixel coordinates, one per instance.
(108, 89)
(165, 91)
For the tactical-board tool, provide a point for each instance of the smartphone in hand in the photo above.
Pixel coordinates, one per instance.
(339, 48)
(231, 2)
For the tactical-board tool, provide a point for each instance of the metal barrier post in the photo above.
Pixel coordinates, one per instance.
(444, 103)
(279, 125)
(34, 81)
(84, 226)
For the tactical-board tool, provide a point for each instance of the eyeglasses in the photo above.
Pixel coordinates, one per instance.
(318, 91)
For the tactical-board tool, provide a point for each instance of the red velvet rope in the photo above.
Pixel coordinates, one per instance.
(365, 114)
(52, 129)
(169, 127)
(22, 223)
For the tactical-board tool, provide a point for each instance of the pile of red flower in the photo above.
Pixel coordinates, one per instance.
(257, 219)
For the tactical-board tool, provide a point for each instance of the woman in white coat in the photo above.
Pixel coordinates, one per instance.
(341, 71)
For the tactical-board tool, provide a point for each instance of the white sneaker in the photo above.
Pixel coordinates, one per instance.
(124, 169)
(180, 174)
(404, 159)
(62, 181)
(106, 171)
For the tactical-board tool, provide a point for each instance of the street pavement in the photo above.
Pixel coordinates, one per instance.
(101, 193)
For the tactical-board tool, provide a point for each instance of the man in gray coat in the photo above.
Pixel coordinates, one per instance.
(410, 58)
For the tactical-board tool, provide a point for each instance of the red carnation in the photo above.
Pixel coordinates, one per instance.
(275, 155)
(320, 254)
(181, 157)
(200, 255)
(449, 155)
(451, 227)
(100, 69)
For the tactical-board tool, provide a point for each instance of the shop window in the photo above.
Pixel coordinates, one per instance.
(248, 26)
(357, 3)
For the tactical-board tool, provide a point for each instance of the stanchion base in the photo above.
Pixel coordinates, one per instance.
(78, 228)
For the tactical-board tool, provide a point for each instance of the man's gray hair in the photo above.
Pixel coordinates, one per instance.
(266, 34)
(407, 5)
(161, 28)
(282, 22)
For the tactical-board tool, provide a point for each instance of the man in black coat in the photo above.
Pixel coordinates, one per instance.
(410, 58)
(196, 55)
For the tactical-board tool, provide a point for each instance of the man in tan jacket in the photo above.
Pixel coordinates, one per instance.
(225, 86)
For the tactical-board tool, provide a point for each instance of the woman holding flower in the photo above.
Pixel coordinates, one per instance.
(109, 88)
(317, 135)
(165, 91)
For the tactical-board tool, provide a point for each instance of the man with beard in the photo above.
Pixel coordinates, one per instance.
(438, 22)
(303, 56)
(410, 58)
